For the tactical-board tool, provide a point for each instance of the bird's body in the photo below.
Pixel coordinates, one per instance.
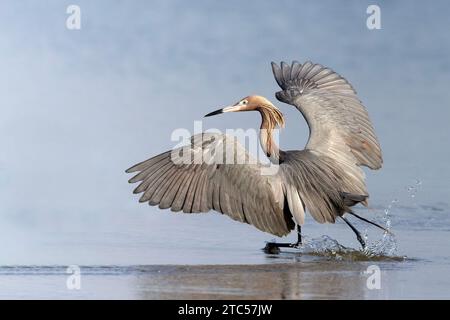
(325, 178)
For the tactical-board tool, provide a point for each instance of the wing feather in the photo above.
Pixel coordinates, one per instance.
(161, 189)
(155, 182)
(341, 134)
(147, 163)
(333, 111)
(169, 195)
(236, 190)
(189, 200)
(178, 203)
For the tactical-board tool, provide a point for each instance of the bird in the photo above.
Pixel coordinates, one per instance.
(324, 179)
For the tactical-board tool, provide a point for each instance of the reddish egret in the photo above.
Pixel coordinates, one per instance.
(324, 179)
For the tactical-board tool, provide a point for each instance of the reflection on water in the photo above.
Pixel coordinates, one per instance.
(321, 269)
(268, 281)
(271, 281)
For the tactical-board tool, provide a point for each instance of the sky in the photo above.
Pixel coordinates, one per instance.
(78, 107)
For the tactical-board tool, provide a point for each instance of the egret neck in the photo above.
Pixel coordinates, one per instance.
(271, 118)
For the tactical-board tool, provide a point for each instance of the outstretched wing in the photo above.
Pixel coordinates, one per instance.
(339, 123)
(214, 172)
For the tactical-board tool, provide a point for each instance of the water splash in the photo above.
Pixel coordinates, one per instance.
(413, 189)
(381, 249)
(384, 248)
(387, 245)
(323, 245)
(330, 248)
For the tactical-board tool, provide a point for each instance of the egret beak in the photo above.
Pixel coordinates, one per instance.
(223, 110)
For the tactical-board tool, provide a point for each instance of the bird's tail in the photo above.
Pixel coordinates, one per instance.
(351, 199)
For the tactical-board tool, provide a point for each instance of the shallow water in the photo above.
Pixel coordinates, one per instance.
(219, 267)
(273, 280)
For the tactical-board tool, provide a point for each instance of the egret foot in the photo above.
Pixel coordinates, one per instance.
(274, 247)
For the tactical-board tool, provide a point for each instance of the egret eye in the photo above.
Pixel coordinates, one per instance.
(244, 102)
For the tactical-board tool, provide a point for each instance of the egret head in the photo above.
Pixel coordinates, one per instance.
(255, 103)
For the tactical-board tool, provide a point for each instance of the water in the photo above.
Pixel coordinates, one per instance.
(79, 107)
(214, 265)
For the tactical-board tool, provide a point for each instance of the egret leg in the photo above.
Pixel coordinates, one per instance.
(299, 235)
(274, 247)
(358, 235)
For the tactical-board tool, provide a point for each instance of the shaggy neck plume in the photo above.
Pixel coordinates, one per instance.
(271, 118)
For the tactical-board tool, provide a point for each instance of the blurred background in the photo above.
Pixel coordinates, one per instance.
(78, 107)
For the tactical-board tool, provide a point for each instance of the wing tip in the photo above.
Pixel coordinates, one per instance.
(277, 73)
(132, 180)
(306, 75)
